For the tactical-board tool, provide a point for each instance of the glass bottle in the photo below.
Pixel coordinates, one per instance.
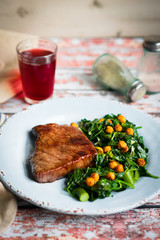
(148, 70)
(113, 74)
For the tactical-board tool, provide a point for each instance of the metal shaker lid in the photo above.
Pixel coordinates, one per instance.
(136, 91)
(152, 43)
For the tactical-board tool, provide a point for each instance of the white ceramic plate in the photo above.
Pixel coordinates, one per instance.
(16, 146)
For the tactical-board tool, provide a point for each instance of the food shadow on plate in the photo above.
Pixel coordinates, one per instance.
(30, 146)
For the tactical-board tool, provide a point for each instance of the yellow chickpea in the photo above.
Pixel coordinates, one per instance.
(119, 168)
(121, 119)
(141, 162)
(110, 121)
(124, 150)
(118, 128)
(122, 144)
(109, 129)
(95, 176)
(99, 150)
(101, 120)
(107, 149)
(113, 164)
(110, 176)
(74, 124)
(90, 181)
(129, 131)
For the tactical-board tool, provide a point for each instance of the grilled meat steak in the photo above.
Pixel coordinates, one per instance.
(59, 149)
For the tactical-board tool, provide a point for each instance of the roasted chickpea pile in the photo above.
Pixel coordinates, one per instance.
(121, 158)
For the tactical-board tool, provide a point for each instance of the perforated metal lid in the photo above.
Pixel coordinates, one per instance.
(152, 43)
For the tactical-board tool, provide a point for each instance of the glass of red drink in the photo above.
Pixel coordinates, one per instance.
(37, 63)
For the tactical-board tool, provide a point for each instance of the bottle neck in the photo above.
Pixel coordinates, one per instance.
(135, 90)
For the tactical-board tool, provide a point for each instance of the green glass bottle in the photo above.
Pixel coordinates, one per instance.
(113, 74)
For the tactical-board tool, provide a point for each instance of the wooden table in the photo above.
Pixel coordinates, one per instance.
(74, 78)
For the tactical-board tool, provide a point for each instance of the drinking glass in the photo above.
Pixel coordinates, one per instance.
(37, 64)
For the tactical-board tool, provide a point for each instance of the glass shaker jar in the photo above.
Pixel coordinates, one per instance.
(113, 74)
(149, 66)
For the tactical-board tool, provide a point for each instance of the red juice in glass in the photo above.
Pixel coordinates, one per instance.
(37, 67)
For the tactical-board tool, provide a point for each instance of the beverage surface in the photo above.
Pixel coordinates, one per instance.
(36, 52)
